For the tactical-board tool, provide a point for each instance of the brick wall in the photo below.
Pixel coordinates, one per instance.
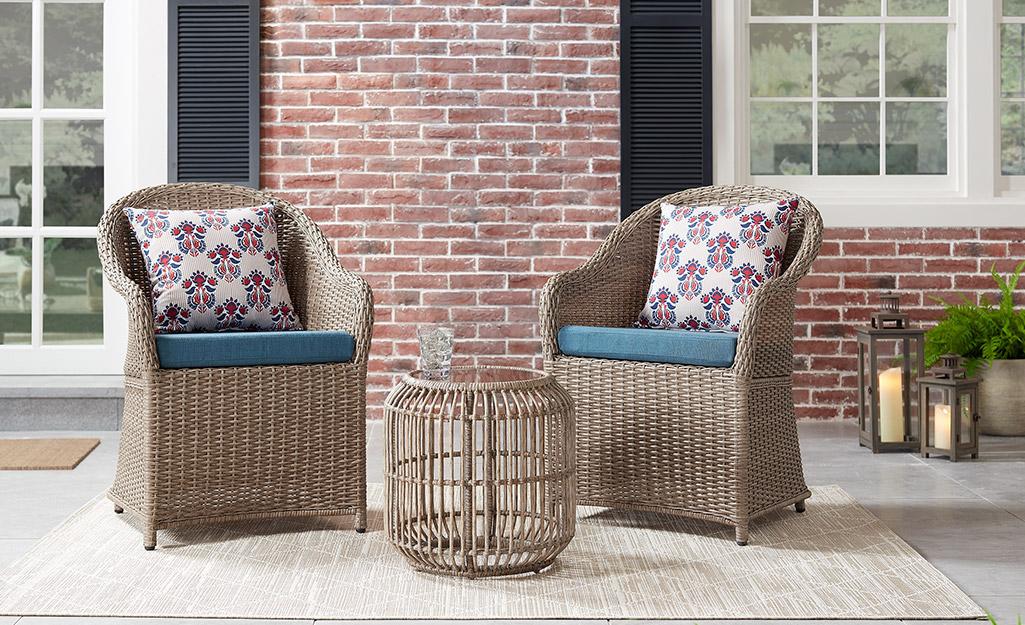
(459, 152)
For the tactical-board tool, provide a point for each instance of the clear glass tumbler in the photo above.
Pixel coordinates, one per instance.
(435, 351)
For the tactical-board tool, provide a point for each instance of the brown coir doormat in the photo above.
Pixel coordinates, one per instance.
(44, 454)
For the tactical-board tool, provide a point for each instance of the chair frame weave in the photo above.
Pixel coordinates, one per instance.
(712, 443)
(207, 445)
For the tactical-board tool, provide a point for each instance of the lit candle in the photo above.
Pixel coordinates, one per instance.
(941, 431)
(891, 406)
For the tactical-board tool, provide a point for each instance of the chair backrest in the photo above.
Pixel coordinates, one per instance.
(646, 220)
(124, 249)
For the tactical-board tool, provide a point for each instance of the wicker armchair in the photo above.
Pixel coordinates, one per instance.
(712, 443)
(205, 445)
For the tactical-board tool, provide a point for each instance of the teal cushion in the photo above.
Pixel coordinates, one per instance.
(679, 347)
(250, 349)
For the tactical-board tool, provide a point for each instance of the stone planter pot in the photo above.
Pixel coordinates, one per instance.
(1002, 398)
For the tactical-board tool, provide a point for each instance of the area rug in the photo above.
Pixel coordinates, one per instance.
(44, 454)
(836, 561)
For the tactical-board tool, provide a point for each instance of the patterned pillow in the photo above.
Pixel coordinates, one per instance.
(214, 269)
(710, 260)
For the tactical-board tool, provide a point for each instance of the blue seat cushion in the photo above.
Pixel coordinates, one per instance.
(249, 349)
(679, 347)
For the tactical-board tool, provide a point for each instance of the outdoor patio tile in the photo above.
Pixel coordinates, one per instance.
(1005, 609)
(869, 479)
(11, 549)
(141, 621)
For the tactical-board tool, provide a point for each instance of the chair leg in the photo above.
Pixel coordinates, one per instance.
(149, 540)
(118, 510)
(742, 535)
(799, 506)
(361, 520)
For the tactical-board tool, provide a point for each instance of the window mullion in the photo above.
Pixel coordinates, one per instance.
(815, 96)
(882, 94)
(38, 261)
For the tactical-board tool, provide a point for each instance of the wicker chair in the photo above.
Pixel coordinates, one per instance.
(205, 445)
(729, 451)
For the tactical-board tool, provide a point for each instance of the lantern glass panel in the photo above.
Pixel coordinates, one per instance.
(939, 404)
(896, 391)
(967, 410)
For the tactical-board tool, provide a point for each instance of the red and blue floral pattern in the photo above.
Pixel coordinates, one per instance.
(711, 260)
(217, 269)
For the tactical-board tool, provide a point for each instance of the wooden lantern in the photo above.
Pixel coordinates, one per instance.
(950, 411)
(890, 353)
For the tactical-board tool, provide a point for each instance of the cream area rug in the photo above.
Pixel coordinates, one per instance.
(836, 561)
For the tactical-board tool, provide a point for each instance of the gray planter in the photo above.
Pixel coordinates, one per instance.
(1002, 398)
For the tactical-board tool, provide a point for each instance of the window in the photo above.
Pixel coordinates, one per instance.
(1012, 88)
(56, 154)
(841, 88)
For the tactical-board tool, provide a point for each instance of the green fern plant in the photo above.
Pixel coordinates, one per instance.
(980, 333)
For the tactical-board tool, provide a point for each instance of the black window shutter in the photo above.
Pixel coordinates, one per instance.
(214, 91)
(666, 98)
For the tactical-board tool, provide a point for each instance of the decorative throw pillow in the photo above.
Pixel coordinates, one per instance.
(710, 260)
(214, 269)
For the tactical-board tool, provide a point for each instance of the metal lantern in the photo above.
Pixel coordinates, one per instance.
(950, 411)
(890, 353)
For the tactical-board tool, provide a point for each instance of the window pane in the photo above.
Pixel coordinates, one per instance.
(1012, 60)
(1014, 8)
(917, 7)
(781, 138)
(1012, 139)
(780, 60)
(15, 55)
(848, 60)
(916, 60)
(15, 288)
(72, 292)
(72, 173)
(15, 173)
(849, 7)
(848, 138)
(781, 7)
(916, 138)
(73, 55)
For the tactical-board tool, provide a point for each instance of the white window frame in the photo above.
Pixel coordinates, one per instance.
(1006, 185)
(971, 194)
(122, 43)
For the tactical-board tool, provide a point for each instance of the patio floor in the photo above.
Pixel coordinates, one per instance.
(968, 518)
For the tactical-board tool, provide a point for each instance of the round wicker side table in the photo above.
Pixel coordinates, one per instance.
(480, 471)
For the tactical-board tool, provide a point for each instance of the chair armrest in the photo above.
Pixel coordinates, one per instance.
(765, 347)
(326, 295)
(606, 291)
(113, 241)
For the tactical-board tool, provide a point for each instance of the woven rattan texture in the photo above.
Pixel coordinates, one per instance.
(479, 476)
(713, 443)
(214, 444)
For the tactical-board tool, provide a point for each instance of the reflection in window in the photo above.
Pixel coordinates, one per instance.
(72, 172)
(15, 55)
(73, 55)
(865, 126)
(72, 292)
(15, 289)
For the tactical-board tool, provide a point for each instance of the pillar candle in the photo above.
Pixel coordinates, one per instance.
(891, 406)
(941, 428)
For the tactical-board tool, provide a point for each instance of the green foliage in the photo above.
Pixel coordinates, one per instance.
(980, 333)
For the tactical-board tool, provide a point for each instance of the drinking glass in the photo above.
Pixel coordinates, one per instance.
(435, 351)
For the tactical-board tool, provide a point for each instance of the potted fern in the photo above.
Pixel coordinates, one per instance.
(992, 341)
